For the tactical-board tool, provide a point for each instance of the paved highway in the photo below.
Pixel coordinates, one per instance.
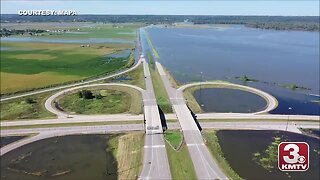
(156, 165)
(60, 131)
(205, 166)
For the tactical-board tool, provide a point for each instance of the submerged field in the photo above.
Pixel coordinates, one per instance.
(113, 156)
(28, 62)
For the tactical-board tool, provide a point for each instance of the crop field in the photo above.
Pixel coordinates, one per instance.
(26, 65)
(34, 65)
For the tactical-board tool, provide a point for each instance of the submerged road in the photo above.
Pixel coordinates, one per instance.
(205, 166)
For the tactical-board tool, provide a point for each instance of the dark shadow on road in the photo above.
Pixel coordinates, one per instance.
(163, 119)
(195, 119)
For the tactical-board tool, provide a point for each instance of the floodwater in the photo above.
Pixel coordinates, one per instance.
(239, 146)
(5, 140)
(68, 157)
(273, 57)
(122, 54)
(229, 100)
(65, 40)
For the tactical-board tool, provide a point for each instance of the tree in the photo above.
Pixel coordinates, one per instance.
(87, 94)
(30, 100)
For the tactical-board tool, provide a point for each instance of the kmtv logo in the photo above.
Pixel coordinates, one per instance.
(293, 156)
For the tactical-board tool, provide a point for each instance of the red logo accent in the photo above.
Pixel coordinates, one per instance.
(293, 156)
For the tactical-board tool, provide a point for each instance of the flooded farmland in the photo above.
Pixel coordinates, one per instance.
(239, 147)
(282, 63)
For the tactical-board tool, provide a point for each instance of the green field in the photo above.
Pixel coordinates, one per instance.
(21, 108)
(174, 137)
(113, 100)
(29, 65)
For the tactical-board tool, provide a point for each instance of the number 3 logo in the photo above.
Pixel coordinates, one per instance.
(294, 149)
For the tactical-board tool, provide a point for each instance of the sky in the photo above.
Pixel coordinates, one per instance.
(165, 7)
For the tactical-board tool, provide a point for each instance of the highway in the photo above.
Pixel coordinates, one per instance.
(156, 164)
(205, 166)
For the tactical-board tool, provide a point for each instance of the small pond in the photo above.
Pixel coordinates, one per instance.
(225, 100)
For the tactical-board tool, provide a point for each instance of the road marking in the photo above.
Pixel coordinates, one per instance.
(202, 144)
(155, 146)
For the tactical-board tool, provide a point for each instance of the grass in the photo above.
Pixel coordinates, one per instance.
(70, 124)
(16, 109)
(174, 138)
(269, 157)
(67, 62)
(154, 51)
(180, 163)
(257, 119)
(213, 144)
(114, 100)
(160, 91)
(135, 77)
(130, 155)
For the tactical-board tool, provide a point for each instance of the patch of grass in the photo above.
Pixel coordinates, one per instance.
(160, 92)
(130, 155)
(111, 100)
(154, 51)
(212, 143)
(135, 77)
(174, 137)
(70, 124)
(23, 108)
(180, 162)
(268, 159)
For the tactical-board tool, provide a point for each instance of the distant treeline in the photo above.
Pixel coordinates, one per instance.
(9, 32)
(307, 23)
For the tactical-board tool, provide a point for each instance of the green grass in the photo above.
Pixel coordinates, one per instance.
(113, 101)
(136, 78)
(180, 163)
(17, 109)
(174, 137)
(68, 62)
(212, 143)
(70, 124)
(154, 51)
(160, 92)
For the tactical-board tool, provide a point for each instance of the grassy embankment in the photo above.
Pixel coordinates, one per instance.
(154, 51)
(129, 155)
(181, 165)
(159, 89)
(31, 107)
(213, 144)
(113, 100)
